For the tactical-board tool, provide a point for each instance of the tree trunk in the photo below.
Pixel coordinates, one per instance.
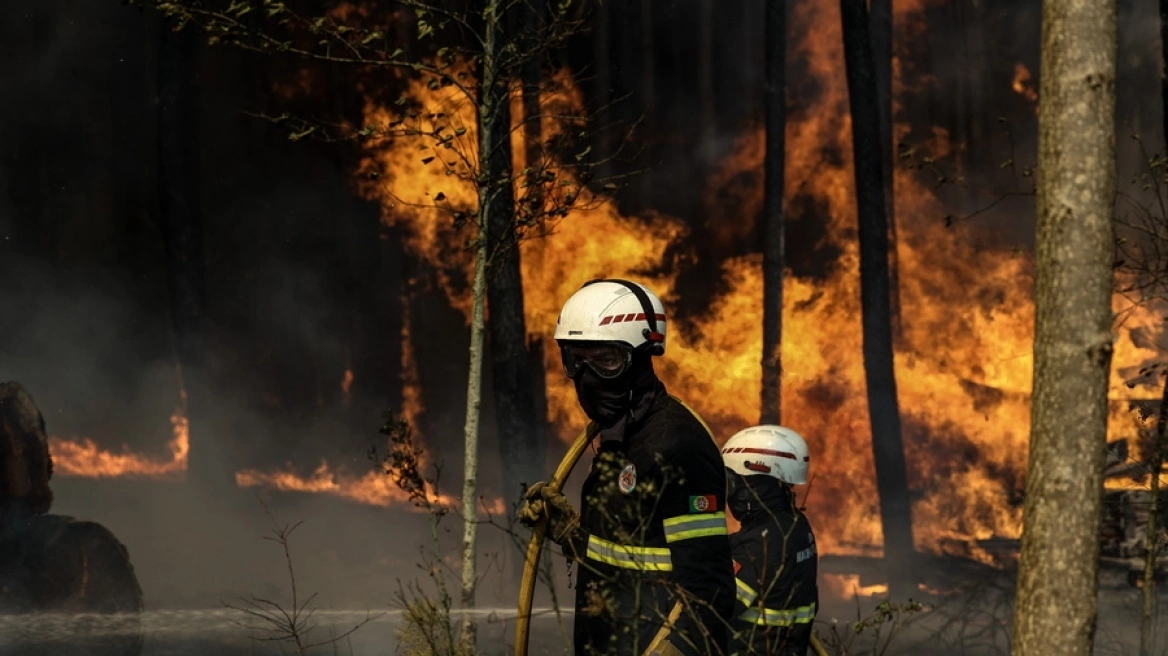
(881, 32)
(519, 449)
(880, 376)
(648, 61)
(602, 87)
(1151, 539)
(180, 224)
(649, 85)
(1164, 68)
(493, 121)
(1151, 542)
(1055, 609)
(706, 127)
(471, 435)
(773, 188)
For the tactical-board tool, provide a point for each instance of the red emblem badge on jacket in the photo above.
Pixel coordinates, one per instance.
(628, 478)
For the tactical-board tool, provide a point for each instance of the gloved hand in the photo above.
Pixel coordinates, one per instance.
(563, 520)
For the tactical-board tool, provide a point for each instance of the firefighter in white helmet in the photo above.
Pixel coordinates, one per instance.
(775, 559)
(654, 574)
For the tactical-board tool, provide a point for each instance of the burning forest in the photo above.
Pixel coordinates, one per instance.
(218, 282)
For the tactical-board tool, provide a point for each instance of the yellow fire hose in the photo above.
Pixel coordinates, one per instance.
(535, 549)
(535, 545)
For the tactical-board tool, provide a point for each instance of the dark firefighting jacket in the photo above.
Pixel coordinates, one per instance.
(776, 565)
(653, 508)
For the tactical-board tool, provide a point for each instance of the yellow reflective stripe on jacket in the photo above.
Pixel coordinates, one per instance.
(684, 527)
(745, 593)
(787, 617)
(654, 559)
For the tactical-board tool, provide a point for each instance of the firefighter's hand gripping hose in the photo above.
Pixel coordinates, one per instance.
(535, 545)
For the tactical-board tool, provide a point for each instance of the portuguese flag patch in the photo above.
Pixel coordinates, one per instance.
(703, 503)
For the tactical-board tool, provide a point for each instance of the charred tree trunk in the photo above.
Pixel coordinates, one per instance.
(1156, 461)
(648, 84)
(648, 61)
(531, 80)
(881, 22)
(1055, 610)
(520, 450)
(1151, 531)
(602, 86)
(880, 375)
(773, 227)
(1164, 68)
(180, 222)
(706, 76)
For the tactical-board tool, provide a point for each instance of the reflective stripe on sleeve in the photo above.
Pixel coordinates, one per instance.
(654, 559)
(745, 593)
(786, 617)
(684, 527)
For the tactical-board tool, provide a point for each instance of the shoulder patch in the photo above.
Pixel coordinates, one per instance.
(737, 567)
(703, 503)
(628, 478)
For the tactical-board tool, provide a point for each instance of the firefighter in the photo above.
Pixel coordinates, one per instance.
(775, 559)
(650, 540)
(53, 563)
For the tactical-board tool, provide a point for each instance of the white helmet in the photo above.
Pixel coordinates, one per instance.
(613, 310)
(768, 450)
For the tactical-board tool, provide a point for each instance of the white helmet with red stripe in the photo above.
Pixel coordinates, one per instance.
(612, 310)
(768, 450)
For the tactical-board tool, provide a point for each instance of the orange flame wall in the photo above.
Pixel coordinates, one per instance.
(964, 369)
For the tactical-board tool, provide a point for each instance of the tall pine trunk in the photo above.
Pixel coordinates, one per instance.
(773, 258)
(520, 452)
(1055, 610)
(648, 59)
(706, 118)
(880, 375)
(1164, 69)
(602, 85)
(180, 224)
(881, 33)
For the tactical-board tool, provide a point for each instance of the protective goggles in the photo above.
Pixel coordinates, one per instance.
(605, 360)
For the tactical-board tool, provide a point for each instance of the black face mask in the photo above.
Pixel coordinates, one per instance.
(747, 496)
(604, 401)
(739, 498)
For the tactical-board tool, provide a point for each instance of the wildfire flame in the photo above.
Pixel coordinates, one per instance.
(1023, 84)
(845, 586)
(964, 368)
(84, 458)
(375, 488)
(964, 373)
